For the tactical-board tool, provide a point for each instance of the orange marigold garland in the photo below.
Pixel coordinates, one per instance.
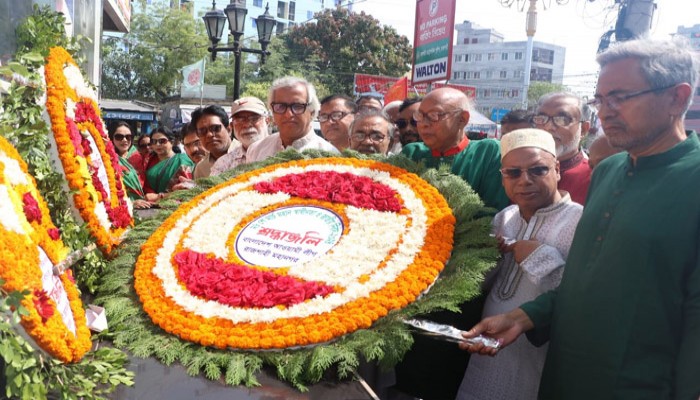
(30, 246)
(379, 262)
(86, 155)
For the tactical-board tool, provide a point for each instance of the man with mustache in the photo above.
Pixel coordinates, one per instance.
(371, 132)
(212, 126)
(249, 119)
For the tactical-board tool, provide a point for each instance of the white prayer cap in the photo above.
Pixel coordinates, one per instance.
(528, 137)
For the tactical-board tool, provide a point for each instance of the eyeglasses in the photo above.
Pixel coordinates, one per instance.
(281, 108)
(251, 119)
(433, 116)
(335, 116)
(213, 128)
(614, 100)
(119, 137)
(160, 142)
(195, 143)
(374, 136)
(557, 120)
(403, 123)
(144, 145)
(533, 172)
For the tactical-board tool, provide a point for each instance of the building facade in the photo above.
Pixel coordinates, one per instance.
(481, 58)
(692, 118)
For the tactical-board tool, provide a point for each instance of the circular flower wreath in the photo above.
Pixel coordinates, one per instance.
(30, 247)
(87, 156)
(394, 233)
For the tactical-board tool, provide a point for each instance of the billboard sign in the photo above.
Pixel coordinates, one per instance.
(378, 85)
(432, 43)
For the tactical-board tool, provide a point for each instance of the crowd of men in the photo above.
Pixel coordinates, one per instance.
(600, 263)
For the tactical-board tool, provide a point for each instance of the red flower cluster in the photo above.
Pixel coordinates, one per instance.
(31, 208)
(54, 233)
(336, 187)
(42, 302)
(241, 286)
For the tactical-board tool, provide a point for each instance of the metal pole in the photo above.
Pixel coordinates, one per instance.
(530, 28)
(237, 74)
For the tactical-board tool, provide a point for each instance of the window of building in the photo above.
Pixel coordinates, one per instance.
(518, 55)
(466, 41)
(492, 56)
(487, 93)
(309, 15)
(515, 93)
(458, 58)
(475, 40)
(281, 27)
(292, 7)
(468, 57)
(257, 3)
(477, 75)
(541, 74)
(253, 22)
(454, 75)
(477, 57)
(543, 56)
(517, 74)
(503, 74)
(281, 8)
(504, 56)
(489, 74)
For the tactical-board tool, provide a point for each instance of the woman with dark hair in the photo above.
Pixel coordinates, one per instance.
(139, 159)
(167, 167)
(122, 139)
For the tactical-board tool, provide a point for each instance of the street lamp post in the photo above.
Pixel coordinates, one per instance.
(235, 13)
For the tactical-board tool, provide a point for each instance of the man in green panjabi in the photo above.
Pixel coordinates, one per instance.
(441, 119)
(625, 321)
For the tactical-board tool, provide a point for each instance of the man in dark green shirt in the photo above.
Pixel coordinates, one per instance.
(434, 369)
(625, 321)
(441, 119)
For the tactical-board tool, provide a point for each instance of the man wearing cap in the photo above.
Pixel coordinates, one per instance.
(534, 235)
(249, 120)
(212, 126)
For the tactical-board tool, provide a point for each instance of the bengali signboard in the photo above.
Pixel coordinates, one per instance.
(432, 43)
(289, 236)
(378, 84)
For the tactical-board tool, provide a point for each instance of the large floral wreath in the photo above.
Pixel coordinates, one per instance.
(30, 248)
(86, 155)
(317, 259)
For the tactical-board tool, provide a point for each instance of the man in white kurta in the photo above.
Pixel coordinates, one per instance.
(534, 235)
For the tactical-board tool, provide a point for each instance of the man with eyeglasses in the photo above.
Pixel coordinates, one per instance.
(433, 369)
(294, 105)
(407, 126)
(625, 320)
(193, 146)
(336, 116)
(212, 126)
(371, 133)
(566, 116)
(534, 236)
(249, 118)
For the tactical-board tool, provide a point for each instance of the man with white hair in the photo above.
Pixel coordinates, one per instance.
(625, 320)
(294, 105)
(249, 120)
(565, 116)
